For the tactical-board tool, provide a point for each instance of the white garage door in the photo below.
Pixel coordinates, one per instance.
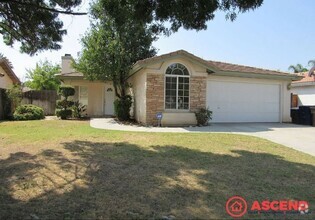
(243, 102)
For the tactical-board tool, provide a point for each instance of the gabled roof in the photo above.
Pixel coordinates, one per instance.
(8, 68)
(169, 55)
(214, 66)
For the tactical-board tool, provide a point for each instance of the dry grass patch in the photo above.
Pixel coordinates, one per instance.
(67, 170)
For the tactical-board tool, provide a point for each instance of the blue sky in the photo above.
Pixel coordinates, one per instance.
(276, 35)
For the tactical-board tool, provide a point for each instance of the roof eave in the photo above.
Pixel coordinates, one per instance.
(256, 75)
(302, 84)
(7, 68)
(179, 54)
(60, 76)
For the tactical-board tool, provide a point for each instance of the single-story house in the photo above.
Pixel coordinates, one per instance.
(7, 79)
(304, 89)
(7, 75)
(179, 83)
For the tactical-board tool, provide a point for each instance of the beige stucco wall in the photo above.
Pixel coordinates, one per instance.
(138, 83)
(286, 102)
(285, 93)
(96, 95)
(160, 68)
(5, 82)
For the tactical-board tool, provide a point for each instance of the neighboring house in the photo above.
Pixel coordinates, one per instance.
(7, 79)
(179, 83)
(7, 75)
(304, 89)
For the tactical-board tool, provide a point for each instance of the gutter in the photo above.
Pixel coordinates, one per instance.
(302, 84)
(257, 75)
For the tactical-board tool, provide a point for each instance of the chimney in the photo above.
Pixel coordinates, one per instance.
(66, 64)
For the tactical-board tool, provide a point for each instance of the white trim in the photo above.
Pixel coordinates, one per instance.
(177, 77)
(79, 98)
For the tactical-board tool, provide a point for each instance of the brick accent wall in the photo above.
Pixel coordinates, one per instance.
(198, 90)
(155, 97)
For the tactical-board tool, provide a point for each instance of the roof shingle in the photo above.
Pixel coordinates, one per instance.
(306, 78)
(221, 66)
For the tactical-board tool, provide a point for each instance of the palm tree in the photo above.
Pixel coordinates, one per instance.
(298, 68)
(312, 70)
(311, 63)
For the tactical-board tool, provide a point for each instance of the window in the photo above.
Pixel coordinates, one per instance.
(177, 87)
(83, 95)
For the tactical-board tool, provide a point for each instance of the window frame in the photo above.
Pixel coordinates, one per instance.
(177, 89)
(87, 96)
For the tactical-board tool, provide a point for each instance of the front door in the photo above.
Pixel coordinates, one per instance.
(109, 100)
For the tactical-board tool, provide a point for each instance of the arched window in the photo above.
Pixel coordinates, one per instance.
(177, 87)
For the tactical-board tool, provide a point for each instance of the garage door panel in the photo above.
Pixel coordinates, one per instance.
(243, 102)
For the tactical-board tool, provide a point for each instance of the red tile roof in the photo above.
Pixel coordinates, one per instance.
(307, 77)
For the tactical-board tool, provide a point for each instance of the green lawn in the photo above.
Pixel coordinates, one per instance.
(68, 170)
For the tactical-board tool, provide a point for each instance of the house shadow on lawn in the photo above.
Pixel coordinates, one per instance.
(124, 181)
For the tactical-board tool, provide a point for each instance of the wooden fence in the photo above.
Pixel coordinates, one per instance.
(45, 99)
(2, 103)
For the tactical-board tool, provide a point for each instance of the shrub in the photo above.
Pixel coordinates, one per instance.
(66, 91)
(203, 116)
(7, 104)
(64, 113)
(28, 112)
(13, 98)
(78, 109)
(64, 107)
(122, 107)
(62, 104)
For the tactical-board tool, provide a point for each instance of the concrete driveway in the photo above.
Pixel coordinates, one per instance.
(301, 138)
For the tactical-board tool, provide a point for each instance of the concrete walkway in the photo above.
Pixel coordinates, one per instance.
(301, 138)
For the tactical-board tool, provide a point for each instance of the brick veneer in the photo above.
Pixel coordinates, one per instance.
(155, 95)
(198, 90)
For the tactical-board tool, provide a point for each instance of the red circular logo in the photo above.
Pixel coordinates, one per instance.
(236, 206)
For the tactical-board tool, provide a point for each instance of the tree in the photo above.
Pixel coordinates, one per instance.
(298, 68)
(192, 14)
(34, 23)
(311, 63)
(43, 77)
(110, 52)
